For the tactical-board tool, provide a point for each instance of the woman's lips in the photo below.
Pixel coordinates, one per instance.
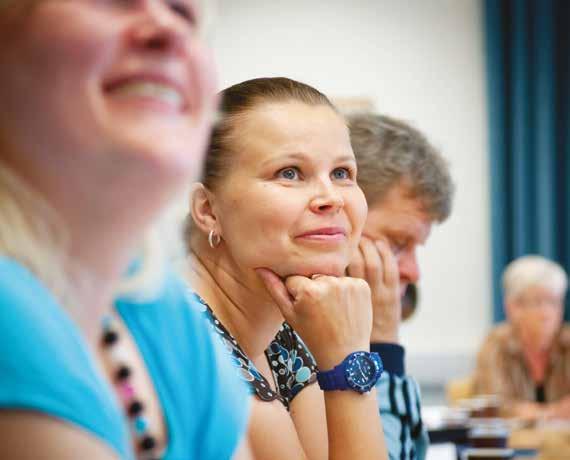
(150, 88)
(325, 234)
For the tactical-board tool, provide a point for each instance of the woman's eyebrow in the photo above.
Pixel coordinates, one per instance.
(346, 158)
(301, 156)
(286, 156)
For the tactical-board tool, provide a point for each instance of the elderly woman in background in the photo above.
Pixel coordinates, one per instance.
(526, 361)
(106, 109)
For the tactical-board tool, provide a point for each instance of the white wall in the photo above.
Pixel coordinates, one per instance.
(417, 59)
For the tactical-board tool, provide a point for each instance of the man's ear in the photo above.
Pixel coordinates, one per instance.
(202, 209)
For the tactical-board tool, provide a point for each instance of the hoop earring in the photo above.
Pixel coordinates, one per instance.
(214, 239)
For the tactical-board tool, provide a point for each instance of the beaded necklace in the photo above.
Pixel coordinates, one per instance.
(122, 378)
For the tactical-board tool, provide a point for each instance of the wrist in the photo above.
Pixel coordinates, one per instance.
(549, 411)
(385, 332)
(359, 372)
(334, 356)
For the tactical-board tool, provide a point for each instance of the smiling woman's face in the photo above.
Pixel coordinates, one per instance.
(116, 81)
(290, 201)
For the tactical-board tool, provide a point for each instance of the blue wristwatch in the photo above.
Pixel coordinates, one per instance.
(359, 372)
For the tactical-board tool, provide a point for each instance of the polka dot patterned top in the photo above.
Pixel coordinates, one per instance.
(292, 365)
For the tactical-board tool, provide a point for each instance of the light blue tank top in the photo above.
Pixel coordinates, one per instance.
(45, 366)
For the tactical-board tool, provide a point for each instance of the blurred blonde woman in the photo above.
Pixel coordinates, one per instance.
(105, 113)
(526, 360)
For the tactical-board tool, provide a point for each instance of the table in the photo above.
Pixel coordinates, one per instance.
(527, 440)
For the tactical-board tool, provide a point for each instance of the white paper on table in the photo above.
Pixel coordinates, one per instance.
(442, 452)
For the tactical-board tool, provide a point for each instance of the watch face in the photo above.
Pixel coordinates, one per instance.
(362, 371)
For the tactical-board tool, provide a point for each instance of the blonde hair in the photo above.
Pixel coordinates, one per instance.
(530, 271)
(32, 233)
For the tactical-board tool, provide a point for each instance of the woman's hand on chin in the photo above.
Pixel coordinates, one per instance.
(333, 315)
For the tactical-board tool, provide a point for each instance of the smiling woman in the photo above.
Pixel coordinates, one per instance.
(106, 112)
(276, 219)
(303, 159)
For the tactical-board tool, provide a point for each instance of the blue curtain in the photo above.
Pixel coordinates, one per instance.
(528, 70)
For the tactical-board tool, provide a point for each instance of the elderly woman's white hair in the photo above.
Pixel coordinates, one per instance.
(533, 270)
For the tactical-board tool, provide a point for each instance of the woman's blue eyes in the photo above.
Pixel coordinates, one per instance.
(293, 174)
(289, 173)
(340, 174)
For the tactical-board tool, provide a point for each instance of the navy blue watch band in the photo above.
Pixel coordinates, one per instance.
(359, 372)
(333, 379)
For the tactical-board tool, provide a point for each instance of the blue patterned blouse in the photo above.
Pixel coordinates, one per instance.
(292, 365)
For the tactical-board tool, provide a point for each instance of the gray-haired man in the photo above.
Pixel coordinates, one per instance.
(408, 188)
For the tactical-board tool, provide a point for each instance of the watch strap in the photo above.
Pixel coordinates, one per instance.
(334, 379)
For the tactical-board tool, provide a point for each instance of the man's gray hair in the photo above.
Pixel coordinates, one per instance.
(390, 152)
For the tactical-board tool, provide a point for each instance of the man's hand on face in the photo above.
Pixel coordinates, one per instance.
(374, 262)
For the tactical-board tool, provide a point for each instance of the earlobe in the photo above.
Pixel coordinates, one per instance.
(202, 209)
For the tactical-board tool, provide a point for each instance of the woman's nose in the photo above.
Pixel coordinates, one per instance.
(157, 28)
(327, 198)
